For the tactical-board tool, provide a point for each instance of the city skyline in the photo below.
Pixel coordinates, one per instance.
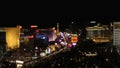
(51, 21)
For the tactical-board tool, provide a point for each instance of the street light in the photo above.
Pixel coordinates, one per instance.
(72, 22)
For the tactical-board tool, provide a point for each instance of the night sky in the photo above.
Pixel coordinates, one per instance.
(47, 13)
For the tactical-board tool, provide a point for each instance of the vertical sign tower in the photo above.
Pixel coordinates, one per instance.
(57, 28)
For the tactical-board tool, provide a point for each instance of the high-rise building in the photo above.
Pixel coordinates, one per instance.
(116, 33)
(11, 36)
(2, 43)
(98, 33)
(92, 32)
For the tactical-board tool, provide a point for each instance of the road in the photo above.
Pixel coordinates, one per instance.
(32, 63)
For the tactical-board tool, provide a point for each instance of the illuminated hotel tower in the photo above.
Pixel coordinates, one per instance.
(116, 35)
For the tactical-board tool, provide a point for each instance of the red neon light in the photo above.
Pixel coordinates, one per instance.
(37, 31)
(30, 36)
(69, 45)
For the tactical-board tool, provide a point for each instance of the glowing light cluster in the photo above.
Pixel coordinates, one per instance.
(33, 26)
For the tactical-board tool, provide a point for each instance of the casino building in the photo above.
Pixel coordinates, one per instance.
(9, 38)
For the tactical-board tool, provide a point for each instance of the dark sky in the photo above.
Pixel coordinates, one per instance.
(47, 13)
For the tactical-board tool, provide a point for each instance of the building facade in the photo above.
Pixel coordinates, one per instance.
(11, 37)
(98, 33)
(92, 32)
(116, 35)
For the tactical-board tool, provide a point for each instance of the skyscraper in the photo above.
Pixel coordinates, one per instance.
(98, 33)
(116, 35)
(93, 32)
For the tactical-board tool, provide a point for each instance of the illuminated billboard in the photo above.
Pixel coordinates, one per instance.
(74, 39)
